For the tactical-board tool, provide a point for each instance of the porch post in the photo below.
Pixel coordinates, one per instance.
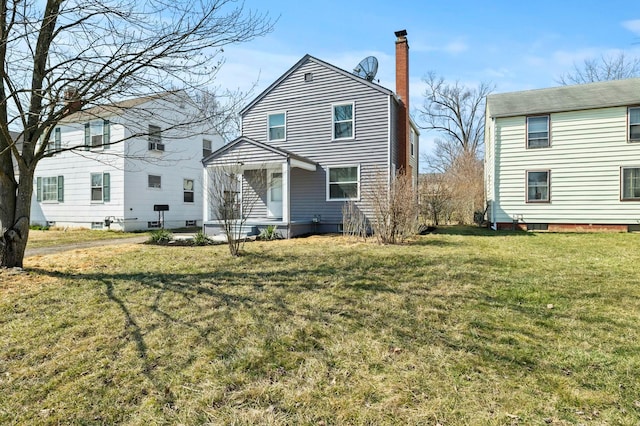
(285, 191)
(205, 195)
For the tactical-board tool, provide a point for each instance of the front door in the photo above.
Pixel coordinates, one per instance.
(274, 194)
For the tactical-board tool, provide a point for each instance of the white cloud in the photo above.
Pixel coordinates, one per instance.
(632, 25)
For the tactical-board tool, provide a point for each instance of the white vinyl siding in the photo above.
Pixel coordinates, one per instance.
(589, 149)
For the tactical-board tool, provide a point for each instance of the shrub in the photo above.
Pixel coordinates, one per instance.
(39, 227)
(201, 239)
(161, 236)
(269, 233)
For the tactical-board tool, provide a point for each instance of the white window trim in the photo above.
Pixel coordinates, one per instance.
(412, 141)
(341, 166)
(101, 201)
(153, 188)
(353, 121)
(526, 184)
(285, 126)
(55, 200)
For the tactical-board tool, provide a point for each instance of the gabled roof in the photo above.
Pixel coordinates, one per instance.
(565, 98)
(243, 139)
(114, 109)
(306, 58)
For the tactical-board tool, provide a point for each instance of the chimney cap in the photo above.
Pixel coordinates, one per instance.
(401, 33)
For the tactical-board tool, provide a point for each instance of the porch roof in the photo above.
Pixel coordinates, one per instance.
(250, 153)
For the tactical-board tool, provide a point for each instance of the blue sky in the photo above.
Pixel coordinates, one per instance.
(515, 45)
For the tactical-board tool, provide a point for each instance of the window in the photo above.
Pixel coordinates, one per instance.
(343, 183)
(97, 134)
(50, 189)
(155, 138)
(277, 127)
(634, 124)
(155, 181)
(308, 77)
(343, 121)
(538, 131)
(187, 187)
(100, 187)
(631, 183)
(206, 147)
(538, 187)
(55, 144)
(412, 142)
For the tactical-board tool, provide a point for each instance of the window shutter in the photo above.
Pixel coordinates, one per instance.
(106, 133)
(87, 136)
(106, 187)
(39, 189)
(57, 144)
(60, 188)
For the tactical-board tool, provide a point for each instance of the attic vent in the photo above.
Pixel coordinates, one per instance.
(308, 76)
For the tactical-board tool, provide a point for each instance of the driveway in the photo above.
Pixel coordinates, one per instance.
(40, 251)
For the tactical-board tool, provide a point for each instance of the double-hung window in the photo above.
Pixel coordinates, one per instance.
(97, 134)
(343, 183)
(634, 124)
(412, 142)
(538, 131)
(50, 189)
(155, 181)
(538, 186)
(187, 188)
(631, 183)
(343, 121)
(206, 147)
(55, 144)
(155, 138)
(277, 127)
(100, 187)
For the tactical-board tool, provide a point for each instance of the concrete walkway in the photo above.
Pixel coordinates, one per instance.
(41, 251)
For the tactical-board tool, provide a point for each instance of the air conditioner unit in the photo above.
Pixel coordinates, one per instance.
(156, 146)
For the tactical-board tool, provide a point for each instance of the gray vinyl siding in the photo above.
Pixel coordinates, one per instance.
(588, 149)
(243, 152)
(308, 106)
(254, 193)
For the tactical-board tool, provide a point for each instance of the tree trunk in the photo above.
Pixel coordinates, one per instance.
(14, 219)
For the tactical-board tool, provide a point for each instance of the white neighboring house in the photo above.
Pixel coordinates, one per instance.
(133, 160)
(565, 158)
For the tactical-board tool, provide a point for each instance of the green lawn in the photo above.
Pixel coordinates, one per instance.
(460, 327)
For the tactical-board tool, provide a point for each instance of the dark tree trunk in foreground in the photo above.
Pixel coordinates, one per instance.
(58, 56)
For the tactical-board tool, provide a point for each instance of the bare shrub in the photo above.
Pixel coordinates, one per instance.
(354, 222)
(395, 209)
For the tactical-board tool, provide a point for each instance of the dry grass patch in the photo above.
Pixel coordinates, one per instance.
(55, 236)
(456, 329)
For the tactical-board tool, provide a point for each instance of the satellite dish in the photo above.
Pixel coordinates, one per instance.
(367, 68)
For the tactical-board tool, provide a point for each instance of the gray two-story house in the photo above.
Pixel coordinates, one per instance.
(315, 139)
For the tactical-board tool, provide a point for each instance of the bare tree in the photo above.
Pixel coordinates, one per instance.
(395, 210)
(435, 198)
(455, 111)
(233, 195)
(57, 57)
(605, 68)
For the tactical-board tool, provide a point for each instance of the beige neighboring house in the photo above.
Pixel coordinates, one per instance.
(565, 158)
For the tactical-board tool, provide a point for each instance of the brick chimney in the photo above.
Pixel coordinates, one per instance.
(402, 90)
